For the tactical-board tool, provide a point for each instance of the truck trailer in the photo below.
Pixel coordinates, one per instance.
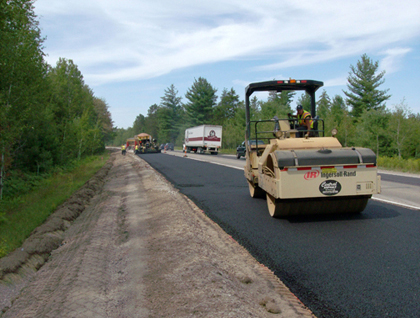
(204, 138)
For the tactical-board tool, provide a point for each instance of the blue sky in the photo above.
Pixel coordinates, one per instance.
(130, 51)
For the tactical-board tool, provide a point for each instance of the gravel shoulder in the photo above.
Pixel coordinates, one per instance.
(138, 248)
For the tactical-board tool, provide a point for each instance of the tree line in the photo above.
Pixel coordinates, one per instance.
(360, 116)
(49, 117)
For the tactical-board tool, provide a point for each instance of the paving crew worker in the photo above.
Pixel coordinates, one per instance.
(305, 122)
(123, 149)
(136, 149)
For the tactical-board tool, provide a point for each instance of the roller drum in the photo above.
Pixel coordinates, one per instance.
(331, 205)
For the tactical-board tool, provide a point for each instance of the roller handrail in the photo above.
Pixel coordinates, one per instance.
(295, 121)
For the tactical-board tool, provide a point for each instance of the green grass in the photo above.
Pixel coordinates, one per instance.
(228, 151)
(20, 216)
(394, 163)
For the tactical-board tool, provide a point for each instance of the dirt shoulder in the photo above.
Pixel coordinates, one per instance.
(139, 248)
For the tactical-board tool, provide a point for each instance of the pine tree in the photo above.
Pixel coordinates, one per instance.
(170, 119)
(363, 83)
(254, 105)
(151, 123)
(278, 104)
(227, 107)
(164, 124)
(324, 106)
(338, 109)
(202, 100)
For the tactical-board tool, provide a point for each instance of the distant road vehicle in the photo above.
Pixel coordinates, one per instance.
(241, 149)
(204, 138)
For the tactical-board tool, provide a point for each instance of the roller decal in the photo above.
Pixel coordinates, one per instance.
(330, 187)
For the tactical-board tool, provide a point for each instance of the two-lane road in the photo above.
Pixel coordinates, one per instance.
(365, 265)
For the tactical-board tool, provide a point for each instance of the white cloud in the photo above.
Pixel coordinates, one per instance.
(392, 61)
(339, 81)
(124, 40)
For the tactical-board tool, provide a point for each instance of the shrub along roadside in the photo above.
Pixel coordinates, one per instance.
(20, 216)
(396, 164)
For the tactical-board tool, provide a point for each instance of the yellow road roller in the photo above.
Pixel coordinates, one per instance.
(297, 168)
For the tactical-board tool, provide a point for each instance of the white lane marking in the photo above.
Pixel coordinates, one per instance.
(412, 207)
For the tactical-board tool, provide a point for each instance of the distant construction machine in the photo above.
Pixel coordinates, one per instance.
(308, 175)
(130, 143)
(146, 144)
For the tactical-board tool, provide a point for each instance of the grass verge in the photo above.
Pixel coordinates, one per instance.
(394, 163)
(24, 213)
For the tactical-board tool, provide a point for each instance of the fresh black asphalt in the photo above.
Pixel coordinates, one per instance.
(365, 265)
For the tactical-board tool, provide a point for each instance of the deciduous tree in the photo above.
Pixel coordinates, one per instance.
(402, 128)
(372, 131)
(22, 84)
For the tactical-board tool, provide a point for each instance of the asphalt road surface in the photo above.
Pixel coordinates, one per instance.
(363, 265)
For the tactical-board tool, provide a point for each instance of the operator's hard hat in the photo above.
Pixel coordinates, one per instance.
(299, 107)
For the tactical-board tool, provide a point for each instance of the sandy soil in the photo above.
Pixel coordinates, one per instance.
(130, 245)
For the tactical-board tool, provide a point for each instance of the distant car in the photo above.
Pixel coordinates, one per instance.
(169, 146)
(241, 149)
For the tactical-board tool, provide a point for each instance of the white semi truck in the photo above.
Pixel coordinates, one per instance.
(204, 138)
